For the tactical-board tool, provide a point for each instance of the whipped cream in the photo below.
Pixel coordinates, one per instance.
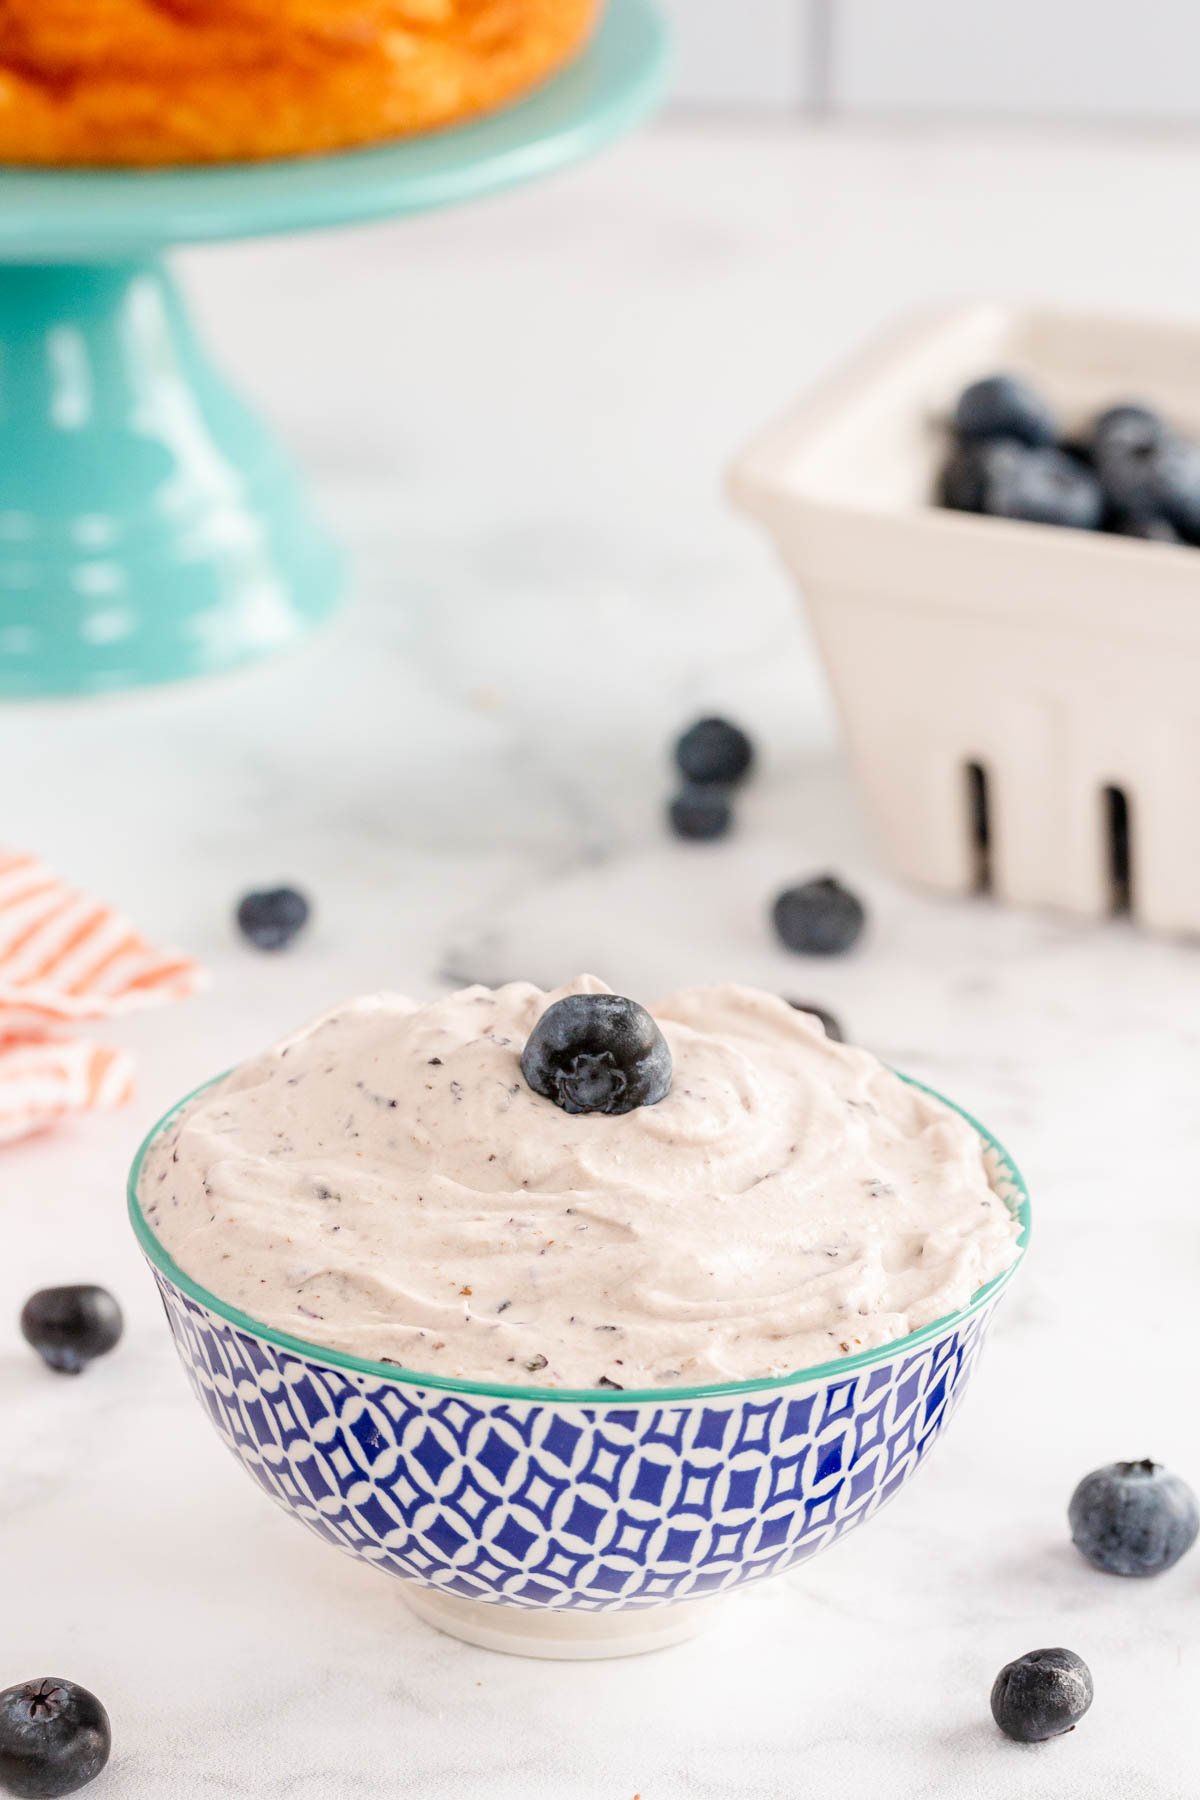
(385, 1183)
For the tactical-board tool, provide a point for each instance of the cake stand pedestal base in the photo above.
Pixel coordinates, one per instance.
(560, 1634)
(150, 527)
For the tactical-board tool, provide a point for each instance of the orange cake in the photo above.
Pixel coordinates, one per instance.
(138, 82)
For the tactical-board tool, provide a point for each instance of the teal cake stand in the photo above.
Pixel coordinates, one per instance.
(150, 526)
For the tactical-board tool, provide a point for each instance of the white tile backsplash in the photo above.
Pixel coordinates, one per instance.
(741, 52)
(1070, 59)
(1067, 58)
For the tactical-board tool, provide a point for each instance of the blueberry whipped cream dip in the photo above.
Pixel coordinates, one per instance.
(714, 1190)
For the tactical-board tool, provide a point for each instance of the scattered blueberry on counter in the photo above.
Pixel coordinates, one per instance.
(819, 917)
(701, 812)
(272, 918)
(712, 755)
(831, 1023)
(1133, 1518)
(1041, 1695)
(54, 1738)
(714, 750)
(70, 1327)
(597, 1053)
(1130, 473)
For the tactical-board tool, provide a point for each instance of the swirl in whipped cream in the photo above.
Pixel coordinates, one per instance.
(385, 1183)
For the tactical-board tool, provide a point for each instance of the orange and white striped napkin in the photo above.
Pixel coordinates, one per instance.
(66, 960)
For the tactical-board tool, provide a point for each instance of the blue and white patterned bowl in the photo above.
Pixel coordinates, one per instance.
(571, 1523)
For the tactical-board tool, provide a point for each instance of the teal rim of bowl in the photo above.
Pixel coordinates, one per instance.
(158, 1259)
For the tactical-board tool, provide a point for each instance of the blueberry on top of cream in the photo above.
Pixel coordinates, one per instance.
(597, 1053)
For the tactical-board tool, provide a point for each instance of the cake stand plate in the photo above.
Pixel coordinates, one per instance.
(150, 527)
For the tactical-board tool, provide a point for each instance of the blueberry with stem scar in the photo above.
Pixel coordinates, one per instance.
(54, 1738)
(1133, 1518)
(597, 1053)
(1041, 1695)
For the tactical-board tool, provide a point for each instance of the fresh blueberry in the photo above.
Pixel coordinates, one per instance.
(1133, 1518)
(700, 812)
(1004, 406)
(1041, 1695)
(597, 1053)
(1158, 531)
(829, 1020)
(971, 471)
(1125, 428)
(1183, 489)
(272, 918)
(70, 1326)
(1079, 449)
(713, 750)
(1006, 480)
(54, 1738)
(1156, 479)
(819, 918)
(1050, 487)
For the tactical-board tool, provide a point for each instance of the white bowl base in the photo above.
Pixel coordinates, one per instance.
(560, 1635)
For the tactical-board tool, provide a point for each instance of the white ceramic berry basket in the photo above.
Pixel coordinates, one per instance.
(1019, 701)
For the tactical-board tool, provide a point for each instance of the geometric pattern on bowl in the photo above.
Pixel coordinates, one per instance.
(555, 1503)
(572, 1523)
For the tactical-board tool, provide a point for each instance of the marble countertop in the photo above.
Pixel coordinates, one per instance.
(518, 416)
